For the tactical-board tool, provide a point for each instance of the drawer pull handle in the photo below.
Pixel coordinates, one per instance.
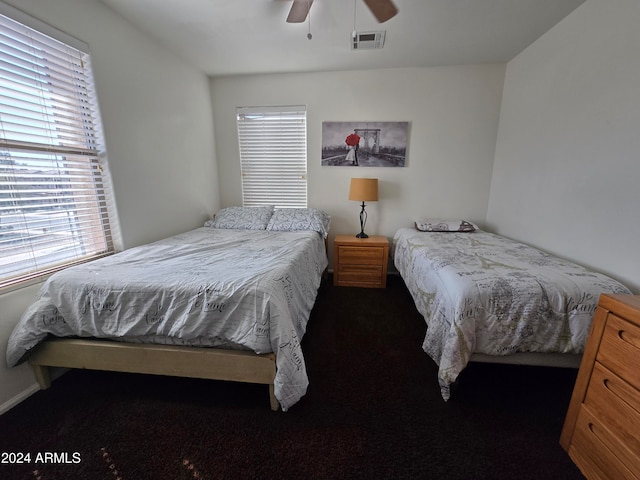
(629, 338)
(592, 428)
(612, 386)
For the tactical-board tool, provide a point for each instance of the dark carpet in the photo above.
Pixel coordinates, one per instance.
(373, 411)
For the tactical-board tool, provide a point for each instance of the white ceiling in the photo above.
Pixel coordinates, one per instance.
(226, 37)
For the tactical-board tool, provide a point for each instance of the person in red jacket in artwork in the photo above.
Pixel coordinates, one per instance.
(353, 142)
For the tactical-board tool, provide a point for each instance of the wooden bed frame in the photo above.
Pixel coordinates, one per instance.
(192, 362)
(176, 361)
(536, 359)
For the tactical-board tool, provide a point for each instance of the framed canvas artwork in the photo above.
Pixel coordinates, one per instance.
(364, 144)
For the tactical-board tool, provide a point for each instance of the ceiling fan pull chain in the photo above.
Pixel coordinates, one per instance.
(309, 36)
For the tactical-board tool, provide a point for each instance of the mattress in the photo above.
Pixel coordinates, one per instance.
(484, 293)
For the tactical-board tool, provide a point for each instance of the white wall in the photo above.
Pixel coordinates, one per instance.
(567, 165)
(159, 135)
(453, 116)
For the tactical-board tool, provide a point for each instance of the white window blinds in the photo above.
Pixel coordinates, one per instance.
(273, 155)
(54, 190)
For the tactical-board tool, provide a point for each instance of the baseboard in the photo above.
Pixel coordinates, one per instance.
(55, 373)
(12, 402)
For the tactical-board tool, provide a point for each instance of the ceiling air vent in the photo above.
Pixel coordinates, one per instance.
(367, 40)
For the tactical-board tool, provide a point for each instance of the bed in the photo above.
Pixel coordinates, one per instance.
(485, 297)
(230, 301)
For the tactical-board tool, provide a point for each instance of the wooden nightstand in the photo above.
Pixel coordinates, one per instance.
(360, 262)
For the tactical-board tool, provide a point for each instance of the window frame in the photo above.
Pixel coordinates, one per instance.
(272, 142)
(32, 166)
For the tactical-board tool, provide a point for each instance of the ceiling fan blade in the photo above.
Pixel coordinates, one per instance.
(383, 10)
(299, 11)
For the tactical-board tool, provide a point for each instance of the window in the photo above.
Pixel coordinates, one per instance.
(54, 189)
(273, 155)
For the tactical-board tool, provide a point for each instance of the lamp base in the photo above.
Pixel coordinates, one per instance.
(363, 221)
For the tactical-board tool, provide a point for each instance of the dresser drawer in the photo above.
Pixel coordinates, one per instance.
(361, 256)
(616, 404)
(620, 349)
(592, 449)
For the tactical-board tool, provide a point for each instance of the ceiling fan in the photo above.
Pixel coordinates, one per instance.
(383, 10)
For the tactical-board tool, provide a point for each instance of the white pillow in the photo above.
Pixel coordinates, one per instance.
(292, 219)
(242, 218)
(439, 225)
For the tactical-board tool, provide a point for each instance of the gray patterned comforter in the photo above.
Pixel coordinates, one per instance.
(207, 287)
(483, 293)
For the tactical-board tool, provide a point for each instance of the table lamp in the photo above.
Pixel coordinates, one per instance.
(363, 190)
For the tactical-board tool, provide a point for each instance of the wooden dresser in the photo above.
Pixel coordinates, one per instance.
(360, 262)
(602, 429)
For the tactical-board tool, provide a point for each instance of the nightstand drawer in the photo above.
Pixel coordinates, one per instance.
(361, 256)
(360, 275)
